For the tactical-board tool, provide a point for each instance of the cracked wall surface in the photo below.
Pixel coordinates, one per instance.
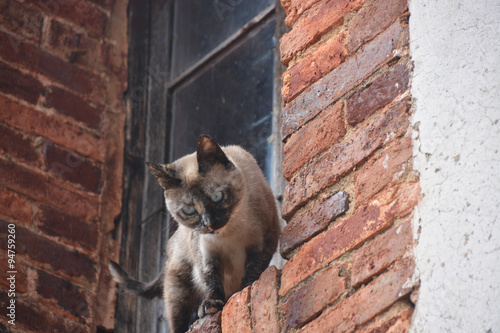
(455, 47)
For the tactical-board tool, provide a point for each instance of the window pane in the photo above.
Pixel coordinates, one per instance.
(230, 100)
(200, 26)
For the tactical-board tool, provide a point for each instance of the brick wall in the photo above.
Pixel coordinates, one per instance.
(63, 69)
(351, 185)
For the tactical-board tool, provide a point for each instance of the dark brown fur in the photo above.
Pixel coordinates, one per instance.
(226, 244)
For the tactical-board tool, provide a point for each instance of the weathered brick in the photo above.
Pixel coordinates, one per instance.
(310, 299)
(295, 8)
(312, 221)
(13, 207)
(68, 296)
(35, 59)
(74, 106)
(342, 79)
(342, 158)
(377, 172)
(62, 38)
(378, 94)
(69, 166)
(45, 251)
(373, 19)
(313, 138)
(103, 3)
(265, 302)
(23, 20)
(366, 303)
(313, 66)
(208, 324)
(377, 255)
(343, 236)
(69, 75)
(20, 85)
(18, 145)
(79, 12)
(15, 50)
(409, 196)
(21, 282)
(236, 313)
(35, 318)
(56, 223)
(32, 121)
(41, 188)
(396, 320)
(314, 24)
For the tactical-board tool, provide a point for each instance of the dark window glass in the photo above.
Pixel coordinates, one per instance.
(200, 26)
(230, 100)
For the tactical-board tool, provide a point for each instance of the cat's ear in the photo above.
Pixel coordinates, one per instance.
(165, 175)
(209, 154)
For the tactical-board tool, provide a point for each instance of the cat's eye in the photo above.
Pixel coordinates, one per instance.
(188, 210)
(217, 196)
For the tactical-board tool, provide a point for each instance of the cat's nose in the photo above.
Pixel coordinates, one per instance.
(207, 220)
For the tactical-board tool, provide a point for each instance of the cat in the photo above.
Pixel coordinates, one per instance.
(228, 230)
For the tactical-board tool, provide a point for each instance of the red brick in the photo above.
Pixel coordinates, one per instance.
(67, 74)
(111, 196)
(295, 8)
(314, 24)
(13, 207)
(236, 313)
(21, 274)
(81, 13)
(342, 79)
(265, 302)
(23, 20)
(342, 158)
(313, 138)
(68, 296)
(62, 39)
(17, 145)
(396, 320)
(208, 324)
(45, 251)
(373, 19)
(69, 166)
(377, 255)
(20, 85)
(32, 121)
(74, 106)
(56, 223)
(409, 195)
(366, 303)
(104, 309)
(313, 66)
(378, 172)
(378, 94)
(31, 317)
(15, 50)
(310, 299)
(41, 188)
(103, 3)
(312, 221)
(71, 76)
(342, 237)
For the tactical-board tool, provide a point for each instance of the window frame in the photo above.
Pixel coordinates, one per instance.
(146, 139)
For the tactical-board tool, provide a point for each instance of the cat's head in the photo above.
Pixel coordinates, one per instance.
(202, 189)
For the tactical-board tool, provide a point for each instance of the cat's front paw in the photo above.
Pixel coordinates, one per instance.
(210, 306)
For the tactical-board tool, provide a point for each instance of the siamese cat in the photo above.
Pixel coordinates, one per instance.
(228, 230)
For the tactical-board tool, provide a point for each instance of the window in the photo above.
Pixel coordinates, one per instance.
(196, 67)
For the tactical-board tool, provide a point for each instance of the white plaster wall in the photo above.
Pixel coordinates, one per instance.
(455, 46)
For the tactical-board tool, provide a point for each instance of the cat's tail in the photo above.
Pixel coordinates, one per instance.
(149, 290)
